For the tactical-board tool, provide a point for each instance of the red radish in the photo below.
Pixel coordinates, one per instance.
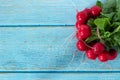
(112, 54)
(81, 46)
(78, 36)
(88, 11)
(98, 48)
(93, 49)
(78, 24)
(96, 11)
(81, 17)
(84, 32)
(103, 57)
(90, 54)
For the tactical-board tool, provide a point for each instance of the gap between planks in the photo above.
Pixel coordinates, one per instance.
(36, 26)
(59, 72)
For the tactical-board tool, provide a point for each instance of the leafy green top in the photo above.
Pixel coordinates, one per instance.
(106, 27)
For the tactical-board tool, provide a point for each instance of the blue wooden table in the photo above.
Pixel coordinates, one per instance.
(36, 43)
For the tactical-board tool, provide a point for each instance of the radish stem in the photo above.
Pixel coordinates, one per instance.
(98, 34)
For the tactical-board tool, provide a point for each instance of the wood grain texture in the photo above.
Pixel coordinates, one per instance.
(45, 49)
(40, 12)
(36, 52)
(61, 76)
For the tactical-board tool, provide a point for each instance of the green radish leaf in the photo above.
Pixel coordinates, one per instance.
(115, 24)
(118, 5)
(109, 6)
(108, 15)
(93, 37)
(118, 14)
(118, 11)
(107, 34)
(116, 17)
(117, 38)
(99, 3)
(116, 30)
(102, 23)
(91, 23)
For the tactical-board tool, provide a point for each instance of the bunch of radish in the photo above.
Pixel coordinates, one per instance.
(94, 49)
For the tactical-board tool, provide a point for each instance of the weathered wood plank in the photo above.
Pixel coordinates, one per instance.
(43, 49)
(40, 12)
(60, 76)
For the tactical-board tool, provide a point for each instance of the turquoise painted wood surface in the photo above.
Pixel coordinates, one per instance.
(40, 12)
(60, 76)
(36, 45)
(44, 49)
